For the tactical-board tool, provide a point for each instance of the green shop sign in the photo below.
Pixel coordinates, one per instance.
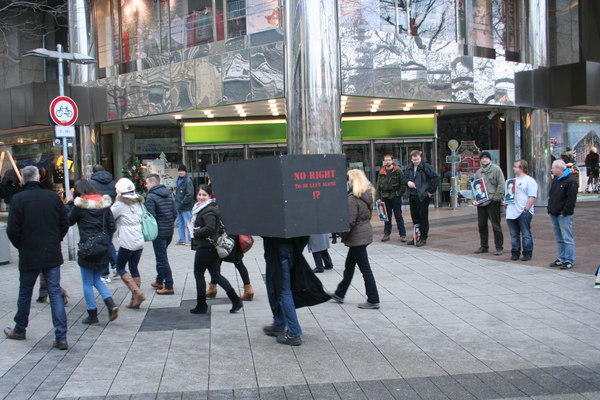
(274, 131)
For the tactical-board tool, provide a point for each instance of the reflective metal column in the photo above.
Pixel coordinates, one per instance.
(535, 123)
(312, 77)
(82, 40)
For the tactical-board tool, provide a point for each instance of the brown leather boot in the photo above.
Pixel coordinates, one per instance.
(248, 293)
(212, 290)
(137, 297)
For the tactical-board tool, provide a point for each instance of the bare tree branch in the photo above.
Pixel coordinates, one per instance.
(25, 16)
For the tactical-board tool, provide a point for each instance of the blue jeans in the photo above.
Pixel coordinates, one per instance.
(131, 257)
(57, 306)
(182, 226)
(287, 316)
(112, 252)
(563, 232)
(394, 205)
(90, 278)
(358, 255)
(163, 269)
(521, 227)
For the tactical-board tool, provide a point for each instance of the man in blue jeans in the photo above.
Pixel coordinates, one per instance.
(561, 207)
(37, 223)
(519, 212)
(184, 202)
(390, 190)
(159, 203)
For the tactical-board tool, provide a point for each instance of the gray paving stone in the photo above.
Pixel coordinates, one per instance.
(143, 396)
(169, 396)
(200, 395)
(349, 390)
(220, 394)
(498, 384)
(22, 395)
(115, 397)
(375, 390)
(246, 394)
(297, 392)
(400, 389)
(547, 381)
(451, 388)
(569, 378)
(426, 389)
(272, 393)
(525, 384)
(475, 386)
(324, 391)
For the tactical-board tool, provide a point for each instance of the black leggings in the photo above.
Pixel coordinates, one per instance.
(207, 258)
(241, 267)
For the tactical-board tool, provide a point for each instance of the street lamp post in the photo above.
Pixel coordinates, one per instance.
(60, 57)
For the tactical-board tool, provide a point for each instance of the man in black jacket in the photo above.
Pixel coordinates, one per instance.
(422, 182)
(37, 223)
(160, 204)
(561, 207)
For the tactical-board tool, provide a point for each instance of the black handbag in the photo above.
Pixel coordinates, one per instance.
(95, 247)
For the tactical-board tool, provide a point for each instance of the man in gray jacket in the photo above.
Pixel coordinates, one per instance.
(493, 178)
(184, 202)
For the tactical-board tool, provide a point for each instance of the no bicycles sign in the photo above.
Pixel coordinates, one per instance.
(63, 111)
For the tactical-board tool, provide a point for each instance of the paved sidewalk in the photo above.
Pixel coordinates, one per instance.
(451, 326)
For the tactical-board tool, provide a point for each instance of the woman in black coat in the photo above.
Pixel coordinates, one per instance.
(91, 212)
(205, 226)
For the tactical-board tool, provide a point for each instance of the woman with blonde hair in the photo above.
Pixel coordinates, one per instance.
(360, 235)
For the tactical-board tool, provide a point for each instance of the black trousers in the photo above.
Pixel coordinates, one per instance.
(419, 213)
(358, 255)
(207, 258)
(491, 212)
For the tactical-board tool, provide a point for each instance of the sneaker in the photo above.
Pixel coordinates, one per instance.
(481, 250)
(273, 330)
(105, 279)
(410, 243)
(403, 239)
(597, 285)
(165, 291)
(369, 306)
(515, 257)
(285, 338)
(336, 298)
(556, 263)
(386, 237)
(566, 265)
(318, 271)
(526, 257)
(421, 242)
(498, 252)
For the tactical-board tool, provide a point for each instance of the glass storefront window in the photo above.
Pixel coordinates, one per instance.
(563, 23)
(199, 159)
(261, 15)
(236, 18)
(106, 47)
(140, 29)
(358, 156)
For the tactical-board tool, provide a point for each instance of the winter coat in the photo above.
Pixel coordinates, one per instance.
(307, 289)
(37, 223)
(127, 211)
(592, 162)
(88, 212)
(184, 194)
(562, 195)
(206, 225)
(389, 184)
(494, 184)
(426, 180)
(361, 231)
(318, 242)
(160, 204)
(104, 183)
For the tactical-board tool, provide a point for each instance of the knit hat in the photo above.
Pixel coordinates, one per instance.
(124, 186)
(182, 168)
(485, 154)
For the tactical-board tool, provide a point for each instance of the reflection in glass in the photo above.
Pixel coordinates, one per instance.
(106, 46)
(236, 18)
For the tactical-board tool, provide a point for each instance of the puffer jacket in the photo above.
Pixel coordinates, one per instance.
(127, 211)
(206, 225)
(160, 204)
(361, 231)
(104, 183)
(88, 212)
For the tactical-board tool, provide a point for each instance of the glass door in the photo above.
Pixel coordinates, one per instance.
(358, 156)
(199, 159)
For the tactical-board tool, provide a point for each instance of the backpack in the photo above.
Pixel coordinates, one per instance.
(149, 225)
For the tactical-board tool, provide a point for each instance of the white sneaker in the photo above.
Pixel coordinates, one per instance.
(105, 279)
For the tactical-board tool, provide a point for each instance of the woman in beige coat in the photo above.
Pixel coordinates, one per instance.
(360, 235)
(127, 211)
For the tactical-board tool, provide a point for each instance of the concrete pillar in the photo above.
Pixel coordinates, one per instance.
(312, 77)
(82, 40)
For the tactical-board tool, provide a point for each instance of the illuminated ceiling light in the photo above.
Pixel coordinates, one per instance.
(344, 98)
(177, 116)
(373, 110)
(406, 108)
(343, 102)
(273, 106)
(275, 114)
(375, 106)
(207, 112)
(409, 105)
(272, 101)
(210, 116)
(439, 107)
(242, 114)
(502, 118)
(377, 102)
(239, 107)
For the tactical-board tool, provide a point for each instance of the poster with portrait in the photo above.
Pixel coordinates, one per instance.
(510, 190)
(480, 193)
(381, 211)
(261, 15)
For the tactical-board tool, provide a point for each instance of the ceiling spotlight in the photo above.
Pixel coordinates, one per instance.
(406, 108)
(242, 114)
(177, 116)
(344, 98)
(502, 118)
(273, 106)
(343, 103)
(377, 102)
(439, 107)
(375, 106)
(207, 112)
(239, 107)
(373, 110)
(272, 101)
(275, 114)
(210, 116)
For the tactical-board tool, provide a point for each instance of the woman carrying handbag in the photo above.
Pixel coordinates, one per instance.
(91, 212)
(205, 226)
